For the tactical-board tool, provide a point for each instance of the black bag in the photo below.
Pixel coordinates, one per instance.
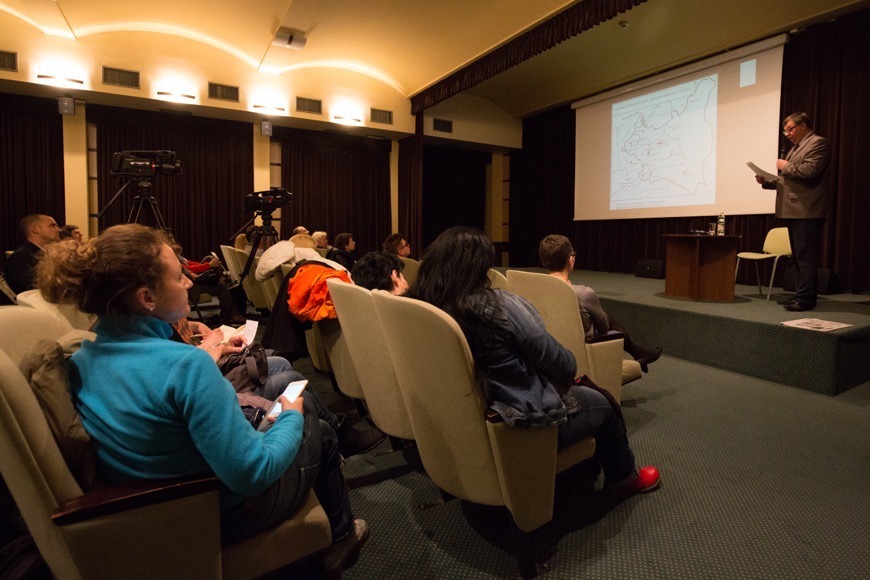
(248, 369)
(211, 277)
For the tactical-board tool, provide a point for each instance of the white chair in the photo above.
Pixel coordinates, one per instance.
(496, 279)
(776, 246)
(410, 269)
(466, 451)
(556, 302)
(68, 312)
(372, 361)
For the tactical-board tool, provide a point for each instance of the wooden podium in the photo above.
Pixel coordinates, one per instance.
(700, 267)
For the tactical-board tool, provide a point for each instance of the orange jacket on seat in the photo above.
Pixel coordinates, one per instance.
(307, 295)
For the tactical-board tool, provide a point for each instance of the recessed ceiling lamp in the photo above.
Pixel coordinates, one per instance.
(289, 38)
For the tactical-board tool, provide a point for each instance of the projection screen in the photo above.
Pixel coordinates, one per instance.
(677, 144)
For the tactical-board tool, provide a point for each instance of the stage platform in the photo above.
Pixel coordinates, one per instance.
(745, 336)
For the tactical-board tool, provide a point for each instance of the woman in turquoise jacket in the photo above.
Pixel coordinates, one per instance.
(161, 409)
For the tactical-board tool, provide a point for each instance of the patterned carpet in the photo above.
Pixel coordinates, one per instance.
(759, 481)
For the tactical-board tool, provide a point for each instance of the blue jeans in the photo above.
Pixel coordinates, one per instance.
(317, 466)
(281, 374)
(597, 418)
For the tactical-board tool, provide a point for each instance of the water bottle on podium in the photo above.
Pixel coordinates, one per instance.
(720, 224)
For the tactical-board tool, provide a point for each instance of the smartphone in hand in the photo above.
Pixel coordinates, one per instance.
(292, 392)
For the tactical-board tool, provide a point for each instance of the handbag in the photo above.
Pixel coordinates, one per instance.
(247, 369)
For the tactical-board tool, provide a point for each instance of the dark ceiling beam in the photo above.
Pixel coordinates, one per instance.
(564, 25)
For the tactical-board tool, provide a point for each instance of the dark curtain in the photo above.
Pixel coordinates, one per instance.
(31, 164)
(411, 188)
(825, 73)
(454, 189)
(203, 205)
(340, 183)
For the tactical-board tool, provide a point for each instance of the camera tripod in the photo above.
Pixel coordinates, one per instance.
(143, 197)
(262, 232)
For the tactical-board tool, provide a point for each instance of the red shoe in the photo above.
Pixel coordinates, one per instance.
(647, 479)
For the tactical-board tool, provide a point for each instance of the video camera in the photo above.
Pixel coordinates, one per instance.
(145, 163)
(267, 201)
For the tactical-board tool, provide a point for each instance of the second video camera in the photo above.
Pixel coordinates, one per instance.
(267, 201)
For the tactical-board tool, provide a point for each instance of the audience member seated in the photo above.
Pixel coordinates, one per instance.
(38, 230)
(529, 375)
(558, 256)
(300, 230)
(342, 252)
(71, 231)
(398, 245)
(380, 271)
(161, 409)
(322, 239)
(299, 248)
(208, 277)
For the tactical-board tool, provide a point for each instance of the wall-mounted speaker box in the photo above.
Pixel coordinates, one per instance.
(266, 128)
(650, 269)
(66, 106)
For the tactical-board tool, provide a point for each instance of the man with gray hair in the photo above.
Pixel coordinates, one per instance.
(38, 231)
(801, 192)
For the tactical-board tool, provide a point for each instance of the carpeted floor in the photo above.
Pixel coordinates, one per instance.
(757, 483)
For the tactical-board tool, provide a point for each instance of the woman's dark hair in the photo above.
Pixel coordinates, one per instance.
(342, 240)
(101, 275)
(374, 270)
(453, 275)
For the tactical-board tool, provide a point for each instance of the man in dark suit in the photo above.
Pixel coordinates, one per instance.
(38, 230)
(801, 190)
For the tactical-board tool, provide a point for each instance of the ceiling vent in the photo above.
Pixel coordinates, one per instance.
(8, 61)
(442, 125)
(223, 92)
(313, 106)
(120, 78)
(381, 116)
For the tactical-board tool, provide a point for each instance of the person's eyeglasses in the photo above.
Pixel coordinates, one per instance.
(789, 130)
(405, 245)
(573, 254)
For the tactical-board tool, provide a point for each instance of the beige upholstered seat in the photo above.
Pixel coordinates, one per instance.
(157, 530)
(68, 312)
(255, 290)
(371, 358)
(776, 246)
(497, 279)
(410, 269)
(467, 455)
(230, 262)
(556, 302)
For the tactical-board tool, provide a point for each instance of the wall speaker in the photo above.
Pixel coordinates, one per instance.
(650, 269)
(66, 105)
(266, 128)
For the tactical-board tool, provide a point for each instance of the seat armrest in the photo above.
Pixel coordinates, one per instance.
(605, 337)
(113, 500)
